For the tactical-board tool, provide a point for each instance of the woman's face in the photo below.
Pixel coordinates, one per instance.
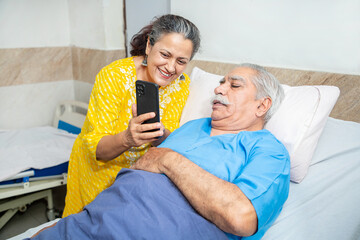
(168, 58)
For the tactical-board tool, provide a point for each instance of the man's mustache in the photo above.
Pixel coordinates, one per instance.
(219, 98)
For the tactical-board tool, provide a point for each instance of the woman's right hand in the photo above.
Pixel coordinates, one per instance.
(138, 133)
(111, 146)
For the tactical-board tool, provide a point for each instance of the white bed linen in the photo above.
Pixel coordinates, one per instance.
(38, 148)
(326, 205)
(31, 231)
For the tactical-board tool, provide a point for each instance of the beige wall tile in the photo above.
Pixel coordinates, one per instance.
(88, 62)
(31, 65)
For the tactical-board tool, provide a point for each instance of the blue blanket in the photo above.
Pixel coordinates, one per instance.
(139, 205)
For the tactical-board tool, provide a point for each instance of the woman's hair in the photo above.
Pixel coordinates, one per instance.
(165, 24)
(267, 86)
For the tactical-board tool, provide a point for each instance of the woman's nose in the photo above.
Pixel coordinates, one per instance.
(171, 66)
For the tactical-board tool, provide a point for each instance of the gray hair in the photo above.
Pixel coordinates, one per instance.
(267, 86)
(175, 24)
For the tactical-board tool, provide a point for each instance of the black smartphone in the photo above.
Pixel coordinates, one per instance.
(147, 99)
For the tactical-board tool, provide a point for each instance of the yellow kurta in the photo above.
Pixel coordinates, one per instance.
(108, 114)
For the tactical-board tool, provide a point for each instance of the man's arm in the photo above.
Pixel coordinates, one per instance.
(219, 201)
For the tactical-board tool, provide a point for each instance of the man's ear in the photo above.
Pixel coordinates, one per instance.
(264, 106)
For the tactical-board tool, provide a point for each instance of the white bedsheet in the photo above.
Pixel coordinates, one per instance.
(32, 231)
(326, 205)
(38, 148)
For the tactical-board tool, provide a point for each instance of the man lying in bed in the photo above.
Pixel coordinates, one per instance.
(222, 177)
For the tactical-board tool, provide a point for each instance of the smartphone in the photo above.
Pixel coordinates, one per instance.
(147, 100)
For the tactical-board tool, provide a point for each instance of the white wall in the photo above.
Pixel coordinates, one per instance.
(96, 24)
(86, 24)
(34, 23)
(82, 91)
(114, 24)
(317, 35)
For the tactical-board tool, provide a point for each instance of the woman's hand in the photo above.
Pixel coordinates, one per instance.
(138, 133)
(111, 146)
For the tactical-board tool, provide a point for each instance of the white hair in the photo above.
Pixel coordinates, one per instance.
(267, 86)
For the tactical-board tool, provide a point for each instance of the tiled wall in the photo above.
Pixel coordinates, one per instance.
(88, 62)
(34, 65)
(34, 80)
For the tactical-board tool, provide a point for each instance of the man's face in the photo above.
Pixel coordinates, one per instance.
(241, 112)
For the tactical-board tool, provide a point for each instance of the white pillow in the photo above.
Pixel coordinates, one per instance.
(298, 123)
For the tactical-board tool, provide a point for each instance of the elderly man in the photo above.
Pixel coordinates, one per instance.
(223, 177)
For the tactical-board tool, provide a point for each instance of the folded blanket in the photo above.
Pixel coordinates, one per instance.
(139, 205)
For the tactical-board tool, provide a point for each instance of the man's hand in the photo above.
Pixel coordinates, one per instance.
(153, 160)
(219, 201)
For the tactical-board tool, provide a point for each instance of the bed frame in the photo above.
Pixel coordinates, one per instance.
(69, 116)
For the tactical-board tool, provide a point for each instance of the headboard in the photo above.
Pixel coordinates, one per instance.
(347, 106)
(70, 116)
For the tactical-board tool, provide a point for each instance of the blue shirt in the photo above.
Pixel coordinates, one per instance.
(255, 161)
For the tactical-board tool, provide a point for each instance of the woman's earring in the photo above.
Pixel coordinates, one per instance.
(144, 62)
(182, 77)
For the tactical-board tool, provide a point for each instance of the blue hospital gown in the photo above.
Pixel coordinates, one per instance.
(253, 160)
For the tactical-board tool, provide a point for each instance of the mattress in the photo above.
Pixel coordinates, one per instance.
(325, 205)
(35, 148)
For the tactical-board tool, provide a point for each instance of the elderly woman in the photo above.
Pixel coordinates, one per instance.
(113, 136)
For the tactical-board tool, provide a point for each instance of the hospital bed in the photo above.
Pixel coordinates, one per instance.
(324, 195)
(35, 160)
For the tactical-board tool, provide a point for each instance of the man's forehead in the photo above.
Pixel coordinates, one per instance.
(237, 78)
(240, 73)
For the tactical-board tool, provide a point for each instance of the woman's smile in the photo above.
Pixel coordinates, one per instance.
(165, 74)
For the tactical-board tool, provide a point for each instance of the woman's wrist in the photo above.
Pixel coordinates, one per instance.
(122, 140)
(112, 146)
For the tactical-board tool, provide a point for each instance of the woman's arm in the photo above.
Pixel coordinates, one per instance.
(111, 146)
